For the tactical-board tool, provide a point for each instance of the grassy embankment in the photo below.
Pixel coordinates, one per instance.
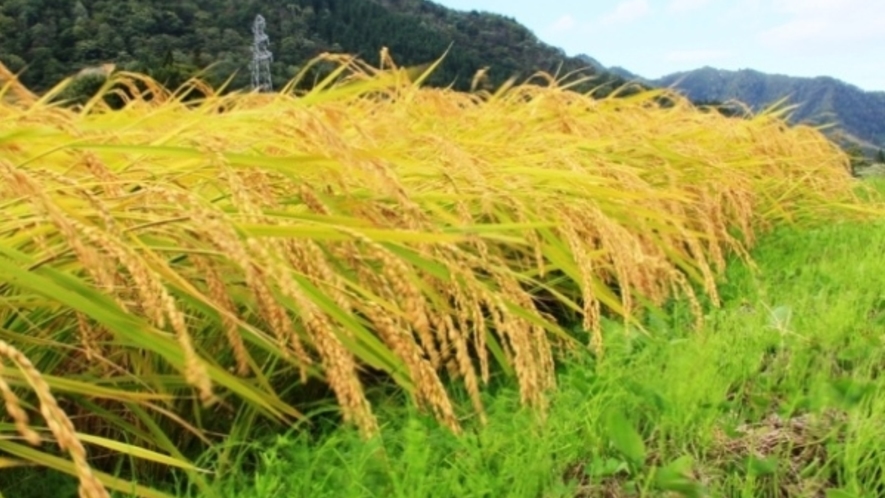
(178, 277)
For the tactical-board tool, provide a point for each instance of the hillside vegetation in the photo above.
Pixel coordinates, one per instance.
(859, 115)
(170, 40)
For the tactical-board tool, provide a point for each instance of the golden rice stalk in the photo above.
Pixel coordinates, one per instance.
(56, 420)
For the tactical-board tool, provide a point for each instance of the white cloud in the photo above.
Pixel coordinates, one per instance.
(563, 24)
(684, 5)
(627, 11)
(811, 26)
(695, 56)
(806, 7)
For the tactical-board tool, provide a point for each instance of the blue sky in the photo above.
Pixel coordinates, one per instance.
(840, 38)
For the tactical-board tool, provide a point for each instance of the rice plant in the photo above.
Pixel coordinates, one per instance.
(176, 269)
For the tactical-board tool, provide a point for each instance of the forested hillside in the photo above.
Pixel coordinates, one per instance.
(860, 115)
(171, 39)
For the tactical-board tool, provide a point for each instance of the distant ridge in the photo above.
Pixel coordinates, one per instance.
(860, 115)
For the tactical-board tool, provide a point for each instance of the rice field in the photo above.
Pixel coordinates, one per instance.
(177, 273)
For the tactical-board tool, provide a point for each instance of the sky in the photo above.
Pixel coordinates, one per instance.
(844, 39)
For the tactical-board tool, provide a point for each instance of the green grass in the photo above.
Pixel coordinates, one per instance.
(792, 357)
(779, 395)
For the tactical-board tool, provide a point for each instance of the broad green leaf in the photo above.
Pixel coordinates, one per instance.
(677, 476)
(841, 493)
(624, 437)
(760, 467)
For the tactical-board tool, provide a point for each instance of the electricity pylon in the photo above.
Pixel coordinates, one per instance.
(261, 57)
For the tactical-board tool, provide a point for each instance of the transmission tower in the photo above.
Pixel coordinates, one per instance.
(261, 57)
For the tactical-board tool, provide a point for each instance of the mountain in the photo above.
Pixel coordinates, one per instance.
(627, 75)
(590, 62)
(614, 70)
(860, 115)
(170, 39)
